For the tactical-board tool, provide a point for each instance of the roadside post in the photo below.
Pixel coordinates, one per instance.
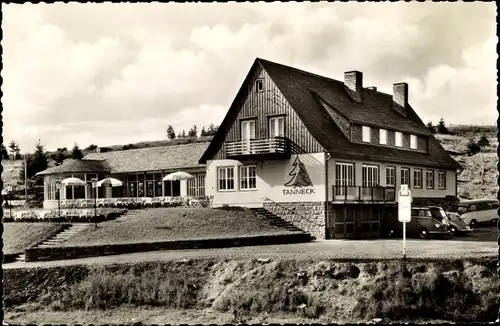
(404, 211)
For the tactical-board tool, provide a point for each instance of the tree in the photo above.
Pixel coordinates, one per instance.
(441, 127)
(60, 155)
(91, 148)
(36, 162)
(183, 135)
(15, 150)
(193, 132)
(76, 152)
(299, 176)
(472, 147)
(431, 127)
(5, 153)
(212, 130)
(203, 132)
(170, 132)
(483, 141)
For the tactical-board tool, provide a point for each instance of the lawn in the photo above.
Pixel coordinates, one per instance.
(18, 237)
(175, 223)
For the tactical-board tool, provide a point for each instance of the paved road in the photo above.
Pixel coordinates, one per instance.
(326, 249)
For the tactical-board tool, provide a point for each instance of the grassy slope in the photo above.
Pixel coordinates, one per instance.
(10, 173)
(174, 223)
(330, 291)
(19, 236)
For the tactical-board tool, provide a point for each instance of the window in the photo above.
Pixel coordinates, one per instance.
(430, 179)
(248, 177)
(441, 180)
(417, 178)
(472, 208)
(259, 85)
(225, 177)
(405, 176)
(413, 142)
(390, 176)
(399, 139)
(370, 176)
(366, 134)
(196, 186)
(276, 127)
(383, 137)
(344, 174)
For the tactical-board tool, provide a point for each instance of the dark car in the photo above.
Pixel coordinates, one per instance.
(425, 222)
(457, 224)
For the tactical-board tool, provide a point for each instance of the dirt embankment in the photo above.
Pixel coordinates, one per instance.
(325, 291)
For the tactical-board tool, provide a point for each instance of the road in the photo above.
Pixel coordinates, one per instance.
(324, 249)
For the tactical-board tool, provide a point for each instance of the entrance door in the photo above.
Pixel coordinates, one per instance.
(247, 134)
(344, 179)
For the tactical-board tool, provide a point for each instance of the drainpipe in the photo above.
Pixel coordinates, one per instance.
(327, 158)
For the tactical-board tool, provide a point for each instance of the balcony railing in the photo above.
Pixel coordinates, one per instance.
(364, 194)
(274, 145)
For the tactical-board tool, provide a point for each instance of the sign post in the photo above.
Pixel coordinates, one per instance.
(404, 211)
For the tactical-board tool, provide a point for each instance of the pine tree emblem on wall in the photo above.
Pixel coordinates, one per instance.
(298, 175)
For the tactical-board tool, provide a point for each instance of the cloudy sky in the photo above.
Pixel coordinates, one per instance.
(110, 74)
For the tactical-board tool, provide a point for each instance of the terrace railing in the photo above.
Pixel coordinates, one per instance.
(273, 145)
(363, 194)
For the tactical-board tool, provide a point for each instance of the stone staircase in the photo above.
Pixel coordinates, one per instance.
(275, 220)
(58, 238)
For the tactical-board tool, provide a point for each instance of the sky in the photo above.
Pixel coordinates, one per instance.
(109, 74)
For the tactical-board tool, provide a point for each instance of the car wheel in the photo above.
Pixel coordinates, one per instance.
(473, 223)
(453, 230)
(424, 234)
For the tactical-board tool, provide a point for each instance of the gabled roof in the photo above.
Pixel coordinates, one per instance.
(301, 89)
(152, 158)
(77, 166)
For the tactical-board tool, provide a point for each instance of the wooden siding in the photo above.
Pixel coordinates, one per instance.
(261, 106)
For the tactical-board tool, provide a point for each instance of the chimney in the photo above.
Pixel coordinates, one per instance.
(373, 88)
(354, 82)
(400, 97)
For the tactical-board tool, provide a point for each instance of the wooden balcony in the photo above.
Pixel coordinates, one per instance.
(275, 147)
(359, 194)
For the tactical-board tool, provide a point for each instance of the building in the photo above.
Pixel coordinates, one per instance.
(327, 155)
(140, 170)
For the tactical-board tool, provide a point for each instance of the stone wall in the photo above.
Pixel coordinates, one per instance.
(308, 216)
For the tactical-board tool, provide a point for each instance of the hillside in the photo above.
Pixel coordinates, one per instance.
(10, 173)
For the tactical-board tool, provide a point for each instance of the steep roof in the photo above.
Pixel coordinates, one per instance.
(77, 166)
(303, 90)
(152, 158)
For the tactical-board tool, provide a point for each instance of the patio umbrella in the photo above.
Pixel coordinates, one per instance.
(110, 182)
(73, 182)
(178, 176)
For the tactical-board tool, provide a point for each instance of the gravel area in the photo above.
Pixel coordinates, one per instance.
(326, 249)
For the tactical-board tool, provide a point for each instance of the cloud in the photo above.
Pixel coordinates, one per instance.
(73, 74)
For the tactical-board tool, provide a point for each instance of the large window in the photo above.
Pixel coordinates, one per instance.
(441, 180)
(344, 174)
(405, 176)
(417, 178)
(413, 142)
(248, 177)
(399, 139)
(390, 176)
(430, 179)
(383, 137)
(366, 134)
(370, 176)
(225, 178)
(196, 186)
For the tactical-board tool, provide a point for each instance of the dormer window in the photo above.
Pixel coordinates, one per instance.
(259, 85)
(383, 137)
(399, 139)
(366, 134)
(413, 142)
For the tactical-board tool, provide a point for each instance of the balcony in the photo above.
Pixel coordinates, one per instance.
(275, 147)
(359, 194)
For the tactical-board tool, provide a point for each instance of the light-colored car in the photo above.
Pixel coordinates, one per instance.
(478, 211)
(457, 225)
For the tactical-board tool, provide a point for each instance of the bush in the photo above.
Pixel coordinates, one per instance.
(473, 148)
(483, 141)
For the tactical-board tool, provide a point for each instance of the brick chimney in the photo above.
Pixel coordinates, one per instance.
(400, 98)
(354, 82)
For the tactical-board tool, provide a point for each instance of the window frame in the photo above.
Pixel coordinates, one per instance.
(415, 179)
(396, 133)
(427, 172)
(370, 183)
(259, 81)
(380, 133)
(409, 176)
(387, 168)
(415, 142)
(225, 168)
(368, 134)
(272, 121)
(247, 177)
(444, 180)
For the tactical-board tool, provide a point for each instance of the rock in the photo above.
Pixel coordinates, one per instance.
(264, 260)
(301, 274)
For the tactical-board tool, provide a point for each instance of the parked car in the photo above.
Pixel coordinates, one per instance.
(425, 222)
(457, 224)
(478, 211)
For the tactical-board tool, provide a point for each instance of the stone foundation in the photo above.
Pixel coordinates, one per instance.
(308, 216)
